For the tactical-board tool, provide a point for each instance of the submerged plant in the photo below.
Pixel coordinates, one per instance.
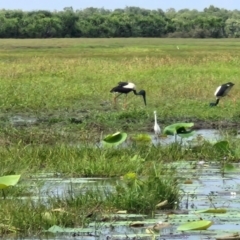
(224, 153)
(137, 193)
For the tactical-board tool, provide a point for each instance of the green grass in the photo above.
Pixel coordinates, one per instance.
(75, 74)
(64, 85)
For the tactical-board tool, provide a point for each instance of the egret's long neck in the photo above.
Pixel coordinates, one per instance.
(155, 116)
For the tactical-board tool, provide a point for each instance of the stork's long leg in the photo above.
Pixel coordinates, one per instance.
(125, 102)
(116, 98)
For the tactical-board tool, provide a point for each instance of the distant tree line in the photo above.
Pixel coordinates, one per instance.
(212, 22)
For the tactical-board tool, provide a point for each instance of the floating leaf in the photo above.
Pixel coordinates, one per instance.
(212, 210)
(187, 134)
(142, 138)
(122, 212)
(161, 204)
(114, 139)
(136, 224)
(234, 236)
(57, 229)
(197, 225)
(181, 129)
(188, 181)
(9, 180)
(158, 226)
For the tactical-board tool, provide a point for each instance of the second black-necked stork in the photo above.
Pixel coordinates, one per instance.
(221, 92)
(127, 87)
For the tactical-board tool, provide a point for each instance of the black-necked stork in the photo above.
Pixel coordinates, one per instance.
(221, 92)
(127, 87)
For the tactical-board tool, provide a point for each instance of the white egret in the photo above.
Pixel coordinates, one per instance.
(156, 127)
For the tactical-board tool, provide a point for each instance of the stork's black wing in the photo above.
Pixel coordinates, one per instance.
(223, 90)
(122, 84)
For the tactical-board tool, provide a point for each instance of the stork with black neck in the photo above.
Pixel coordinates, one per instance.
(125, 88)
(221, 92)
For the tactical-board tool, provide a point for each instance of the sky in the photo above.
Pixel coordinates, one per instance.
(51, 5)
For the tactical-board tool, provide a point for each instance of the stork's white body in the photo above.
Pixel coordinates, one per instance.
(222, 91)
(130, 86)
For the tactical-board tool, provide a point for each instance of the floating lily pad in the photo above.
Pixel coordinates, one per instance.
(114, 139)
(142, 138)
(197, 225)
(9, 180)
(57, 229)
(213, 210)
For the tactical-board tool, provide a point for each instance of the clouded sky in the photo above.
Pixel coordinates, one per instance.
(112, 4)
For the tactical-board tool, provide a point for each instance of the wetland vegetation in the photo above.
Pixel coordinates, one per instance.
(56, 107)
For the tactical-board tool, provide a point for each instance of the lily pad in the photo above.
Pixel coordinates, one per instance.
(114, 139)
(9, 180)
(142, 138)
(181, 129)
(57, 229)
(212, 210)
(197, 225)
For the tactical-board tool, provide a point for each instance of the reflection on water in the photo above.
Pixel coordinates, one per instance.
(206, 134)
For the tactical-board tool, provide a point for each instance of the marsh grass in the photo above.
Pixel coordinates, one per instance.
(64, 84)
(134, 193)
(143, 179)
(77, 74)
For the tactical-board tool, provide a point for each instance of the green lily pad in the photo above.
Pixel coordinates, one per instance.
(142, 138)
(9, 180)
(212, 210)
(57, 229)
(197, 225)
(181, 129)
(114, 139)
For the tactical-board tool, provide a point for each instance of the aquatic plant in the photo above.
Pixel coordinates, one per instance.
(182, 130)
(7, 181)
(113, 140)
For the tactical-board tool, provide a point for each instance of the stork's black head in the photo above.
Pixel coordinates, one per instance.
(230, 83)
(143, 93)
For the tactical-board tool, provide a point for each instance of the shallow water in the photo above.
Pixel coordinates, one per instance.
(210, 188)
(206, 134)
